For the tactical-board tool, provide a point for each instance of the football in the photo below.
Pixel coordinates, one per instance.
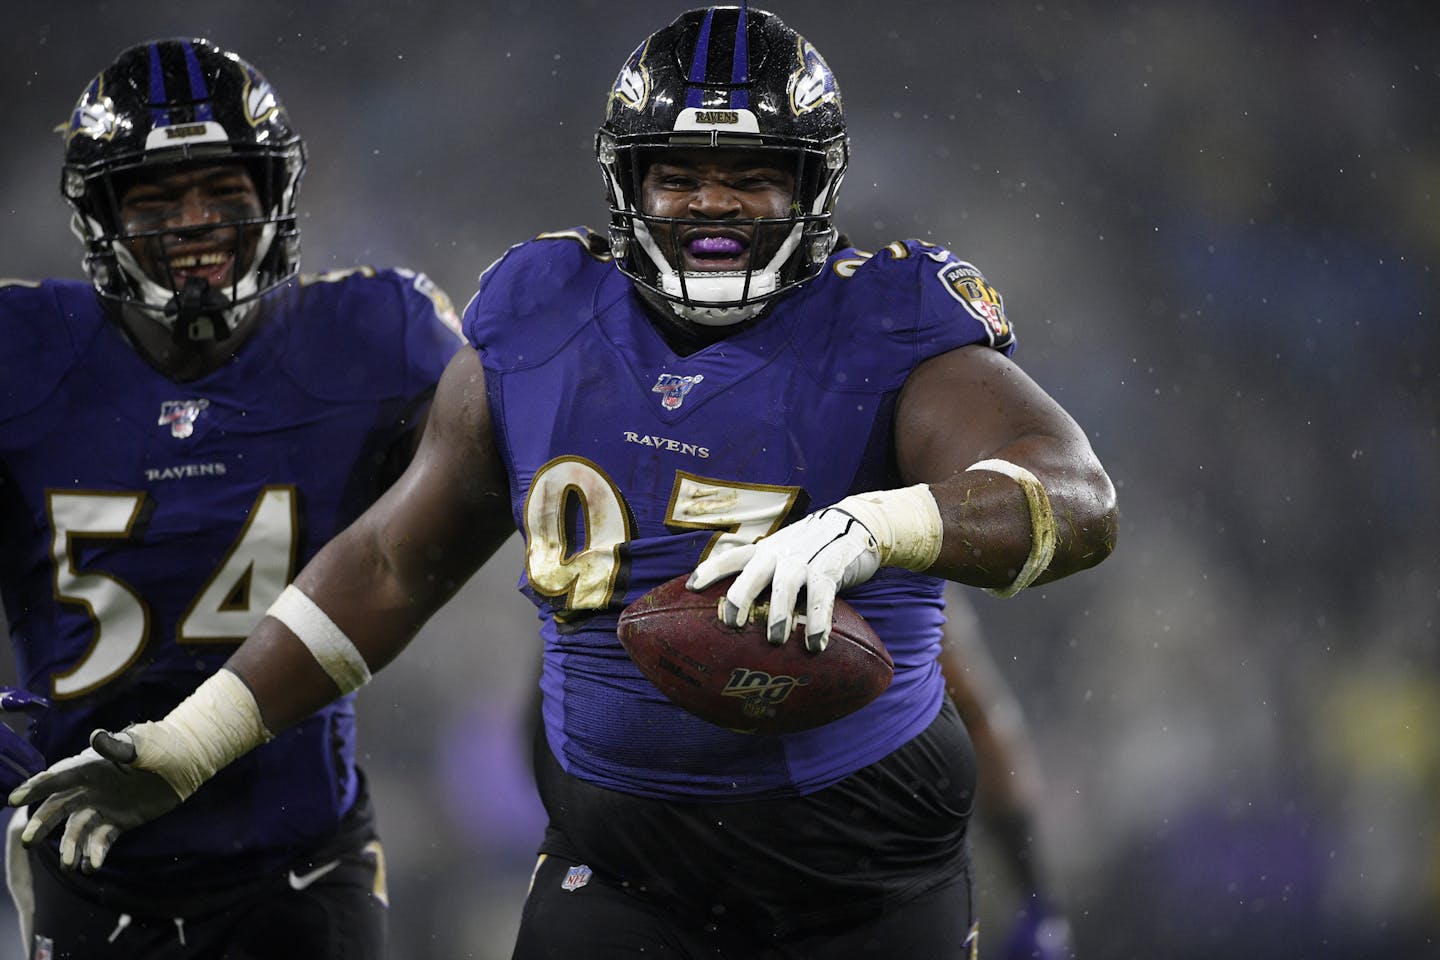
(735, 678)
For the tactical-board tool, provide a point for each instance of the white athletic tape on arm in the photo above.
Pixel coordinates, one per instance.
(217, 723)
(1044, 533)
(326, 642)
(906, 524)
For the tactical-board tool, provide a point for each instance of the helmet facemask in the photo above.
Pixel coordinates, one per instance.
(171, 107)
(784, 251)
(733, 79)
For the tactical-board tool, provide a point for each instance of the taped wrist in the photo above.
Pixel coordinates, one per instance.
(905, 523)
(1044, 532)
(217, 723)
(327, 643)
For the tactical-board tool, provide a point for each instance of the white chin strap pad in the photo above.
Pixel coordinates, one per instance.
(715, 298)
(158, 295)
(719, 289)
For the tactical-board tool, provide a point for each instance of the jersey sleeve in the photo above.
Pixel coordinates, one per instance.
(391, 331)
(490, 299)
(432, 330)
(951, 288)
(907, 303)
(535, 294)
(945, 301)
(41, 325)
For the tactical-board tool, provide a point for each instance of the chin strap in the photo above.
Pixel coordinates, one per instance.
(197, 312)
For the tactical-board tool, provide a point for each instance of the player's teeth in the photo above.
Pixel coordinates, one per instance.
(200, 260)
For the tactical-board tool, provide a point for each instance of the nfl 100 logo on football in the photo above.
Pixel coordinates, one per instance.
(180, 416)
(759, 691)
(673, 389)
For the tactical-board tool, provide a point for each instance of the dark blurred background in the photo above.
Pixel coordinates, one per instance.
(1217, 230)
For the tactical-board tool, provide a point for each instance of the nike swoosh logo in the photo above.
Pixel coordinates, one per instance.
(299, 881)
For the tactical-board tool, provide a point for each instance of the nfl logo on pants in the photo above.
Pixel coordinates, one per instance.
(576, 878)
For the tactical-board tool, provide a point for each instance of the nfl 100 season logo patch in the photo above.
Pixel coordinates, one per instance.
(674, 388)
(180, 416)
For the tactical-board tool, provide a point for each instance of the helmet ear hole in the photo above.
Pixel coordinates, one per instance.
(724, 78)
(170, 105)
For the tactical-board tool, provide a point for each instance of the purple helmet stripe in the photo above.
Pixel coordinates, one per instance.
(159, 116)
(199, 92)
(740, 67)
(697, 65)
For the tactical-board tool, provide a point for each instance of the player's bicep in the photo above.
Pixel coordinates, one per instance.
(450, 508)
(407, 555)
(974, 403)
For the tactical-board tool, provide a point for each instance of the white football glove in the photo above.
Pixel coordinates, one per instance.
(824, 552)
(828, 551)
(99, 793)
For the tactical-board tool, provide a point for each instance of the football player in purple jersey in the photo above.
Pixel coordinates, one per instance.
(723, 388)
(178, 436)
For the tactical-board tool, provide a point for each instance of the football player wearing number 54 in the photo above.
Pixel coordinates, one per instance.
(177, 437)
(722, 386)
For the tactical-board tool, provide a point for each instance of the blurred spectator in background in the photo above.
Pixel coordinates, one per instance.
(1009, 790)
(177, 435)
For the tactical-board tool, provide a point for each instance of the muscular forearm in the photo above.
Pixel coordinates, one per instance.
(991, 525)
(972, 405)
(383, 577)
(361, 601)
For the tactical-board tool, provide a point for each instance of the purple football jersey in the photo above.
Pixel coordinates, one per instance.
(629, 464)
(147, 524)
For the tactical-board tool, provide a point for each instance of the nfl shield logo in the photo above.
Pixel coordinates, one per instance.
(44, 948)
(576, 878)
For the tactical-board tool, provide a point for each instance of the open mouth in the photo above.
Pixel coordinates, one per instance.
(212, 266)
(711, 252)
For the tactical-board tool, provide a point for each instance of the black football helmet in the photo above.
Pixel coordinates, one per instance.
(167, 103)
(724, 77)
